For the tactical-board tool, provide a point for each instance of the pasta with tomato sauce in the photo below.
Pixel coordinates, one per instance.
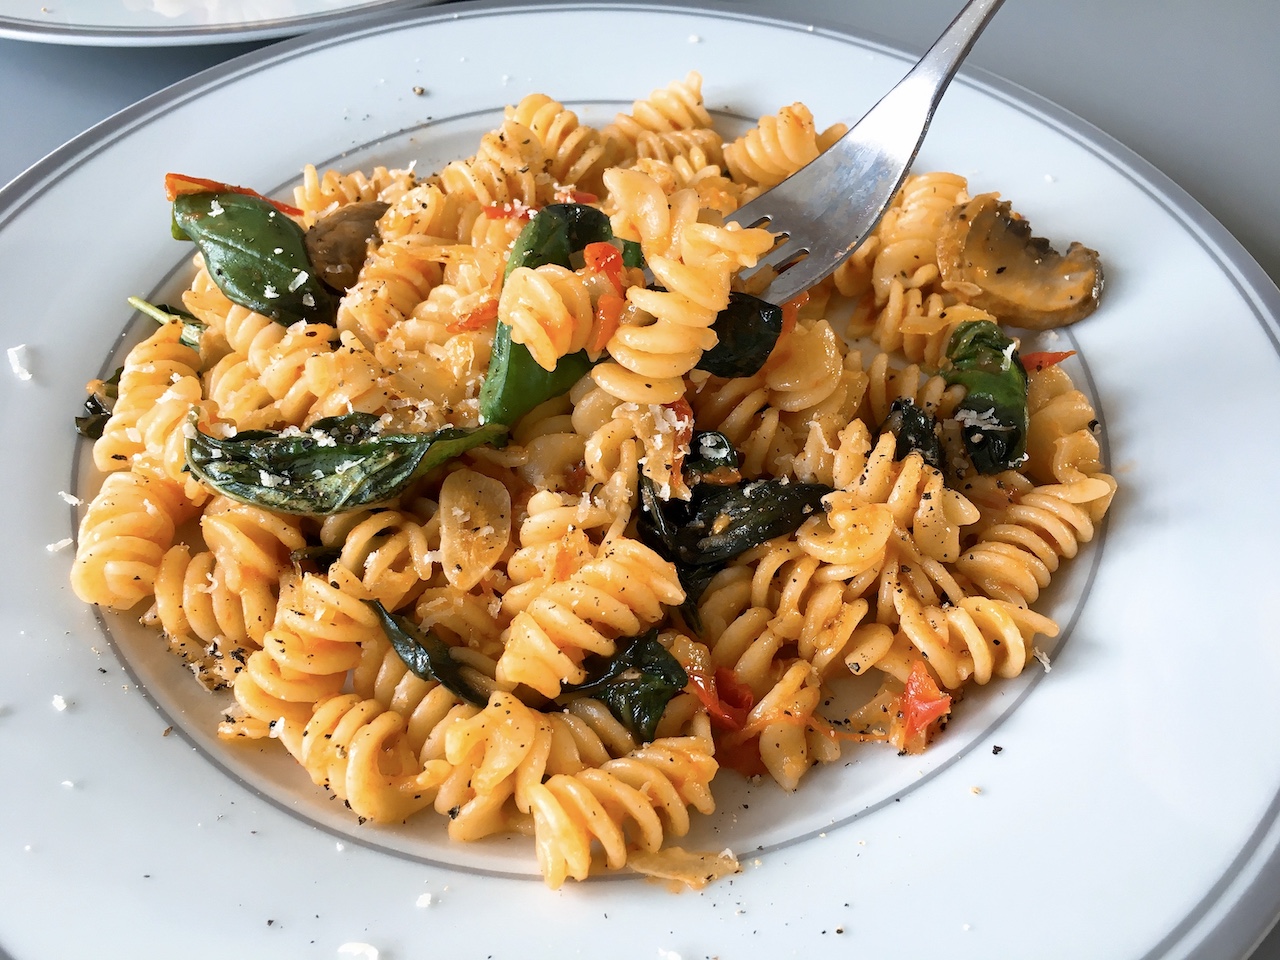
(509, 499)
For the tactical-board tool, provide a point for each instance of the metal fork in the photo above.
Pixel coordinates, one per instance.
(828, 207)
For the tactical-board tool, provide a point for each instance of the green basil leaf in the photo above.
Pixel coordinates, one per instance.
(729, 521)
(97, 407)
(256, 255)
(993, 414)
(720, 523)
(915, 430)
(747, 331)
(636, 683)
(632, 254)
(515, 383)
(426, 655)
(712, 458)
(556, 233)
(339, 464)
(192, 329)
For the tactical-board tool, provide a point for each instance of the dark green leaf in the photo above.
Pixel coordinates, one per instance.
(339, 464)
(318, 557)
(993, 415)
(747, 330)
(556, 233)
(192, 329)
(256, 255)
(515, 383)
(720, 523)
(915, 431)
(97, 408)
(712, 458)
(636, 683)
(426, 655)
(632, 254)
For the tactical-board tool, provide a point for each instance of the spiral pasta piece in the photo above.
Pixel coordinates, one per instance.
(123, 537)
(150, 371)
(614, 595)
(549, 310)
(509, 167)
(359, 751)
(1015, 556)
(320, 194)
(675, 107)
(644, 796)
(574, 152)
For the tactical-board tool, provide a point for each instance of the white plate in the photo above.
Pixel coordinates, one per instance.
(172, 22)
(1132, 809)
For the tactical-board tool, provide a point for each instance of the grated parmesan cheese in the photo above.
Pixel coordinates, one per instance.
(363, 951)
(70, 498)
(58, 545)
(18, 362)
(59, 702)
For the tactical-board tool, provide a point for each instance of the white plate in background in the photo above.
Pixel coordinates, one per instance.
(1131, 811)
(173, 22)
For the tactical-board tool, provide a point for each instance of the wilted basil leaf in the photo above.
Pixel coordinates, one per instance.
(914, 429)
(97, 408)
(636, 683)
(339, 464)
(556, 233)
(256, 255)
(712, 458)
(993, 415)
(747, 331)
(720, 523)
(426, 655)
(515, 383)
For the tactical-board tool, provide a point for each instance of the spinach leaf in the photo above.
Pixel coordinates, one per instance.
(255, 254)
(747, 331)
(993, 415)
(97, 408)
(636, 683)
(339, 464)
(720, 523)
(915, 430)
(556, 233)
(192, 329)
(515, 383)
(711, 459)
(426, 655)
(729, 521)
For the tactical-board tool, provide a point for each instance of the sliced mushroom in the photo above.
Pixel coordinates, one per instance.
(988, 257)
(339, 243)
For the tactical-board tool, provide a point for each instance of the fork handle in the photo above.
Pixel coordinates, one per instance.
(917, 95)
(931, 76)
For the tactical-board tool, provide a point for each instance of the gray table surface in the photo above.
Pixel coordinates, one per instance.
(1191, 85)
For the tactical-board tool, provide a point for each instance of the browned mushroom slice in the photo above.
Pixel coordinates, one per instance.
(989, 258)
(339, 243)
